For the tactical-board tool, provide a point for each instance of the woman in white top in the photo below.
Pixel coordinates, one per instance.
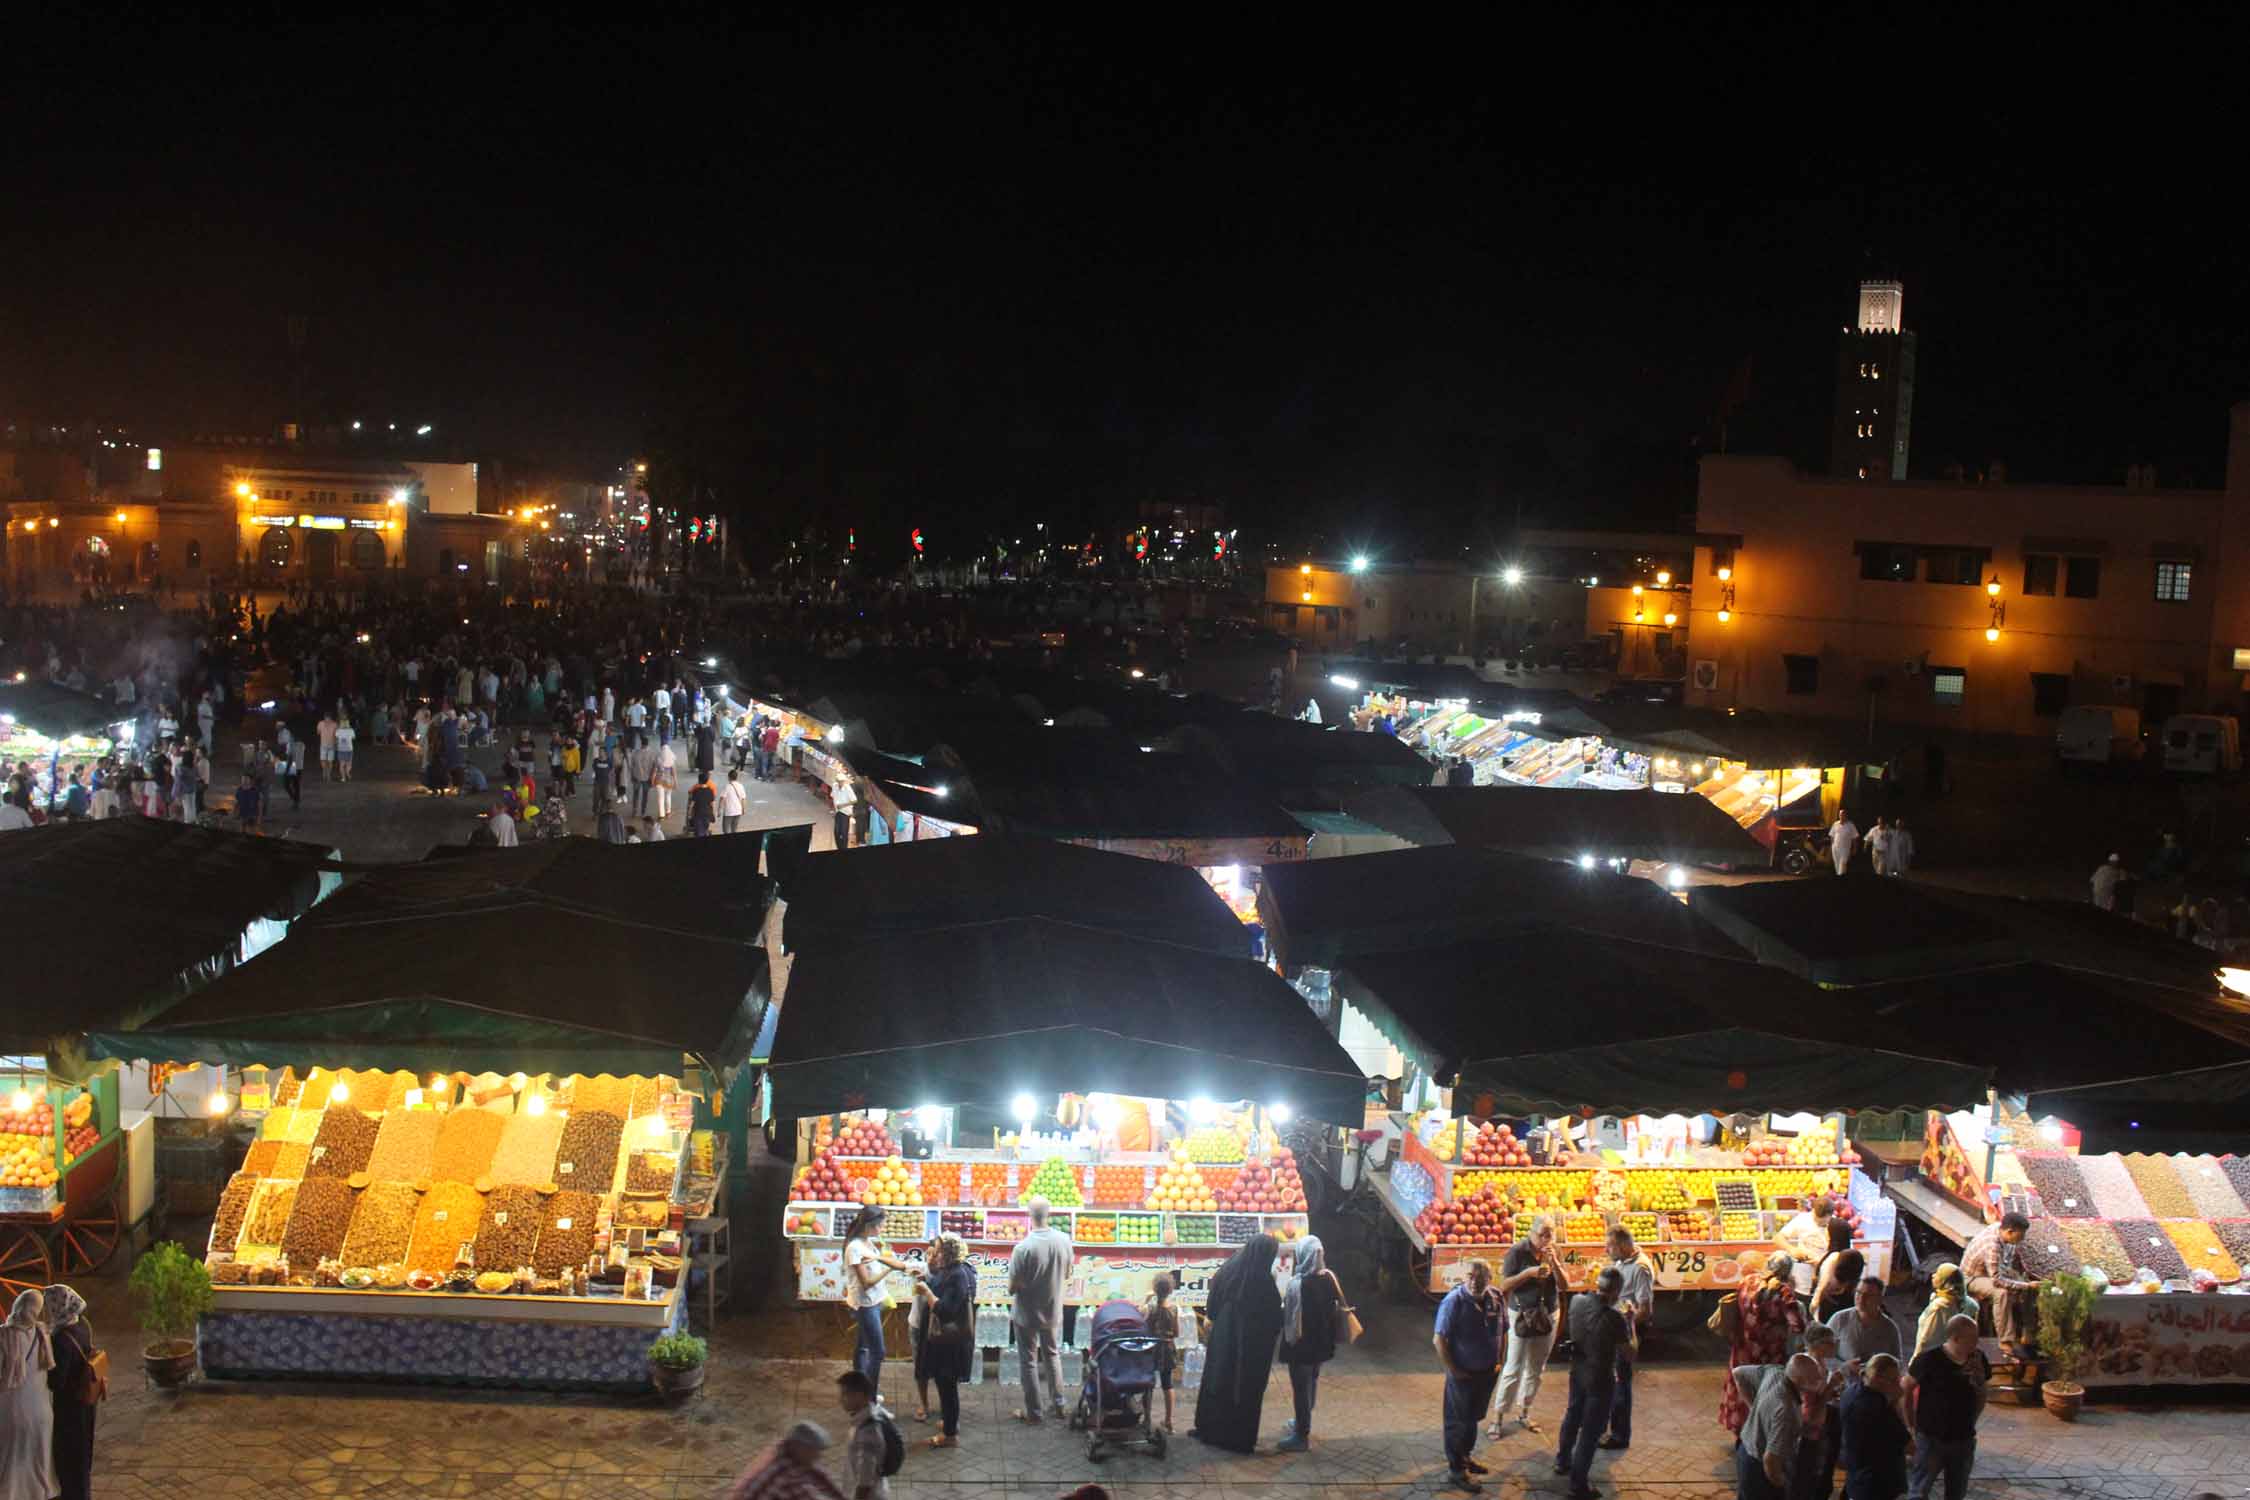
(730, 802)
(27, 1408)
(866, 1264)
(667, 776)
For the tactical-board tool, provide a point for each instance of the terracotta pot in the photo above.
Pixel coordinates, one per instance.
(675, 1384)
(169, 1363)
(2064, 1398)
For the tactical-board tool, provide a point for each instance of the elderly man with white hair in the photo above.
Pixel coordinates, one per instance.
(1765, 1454)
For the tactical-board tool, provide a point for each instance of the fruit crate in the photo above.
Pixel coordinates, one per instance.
(191, 1165)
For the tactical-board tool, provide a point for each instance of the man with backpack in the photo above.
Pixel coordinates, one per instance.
(876, 1449)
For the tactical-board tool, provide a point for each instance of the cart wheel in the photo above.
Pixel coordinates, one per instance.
(1094, 1451)
(24, 1263)
(89, 1239)
(1797, 861)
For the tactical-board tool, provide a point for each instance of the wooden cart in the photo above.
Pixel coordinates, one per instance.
(79, 1226)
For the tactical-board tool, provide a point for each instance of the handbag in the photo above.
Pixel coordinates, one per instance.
(1534, 1322)
(1351, 1328)
(1726, 1318)
(93, 1381)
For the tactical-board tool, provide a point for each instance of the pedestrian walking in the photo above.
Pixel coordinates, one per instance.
(730, 802)
(1902, 848)
(1163, 1320)
(1947, 1384)
(1763, 1322)
(1843, 838)
(1602, 1336)
(27, 1407)
(1949, 1299)
(1879, 848)
(346, 737)
(1467, 1338)
(77, 1388)
(326, 730)
(2107, 877)
(1531, 1281)
(1037, 1269)
(1875, 1431)
(702, 806)
(293, 777)
(868, 1439)
(1636, 1299)
(640, 769)
(666, 780)
(1309, 1315)
(1864, 1330)
(842, 799)
(1774, 1397)
(788, 1469)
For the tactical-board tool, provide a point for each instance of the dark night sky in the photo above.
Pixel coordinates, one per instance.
(1393, 286)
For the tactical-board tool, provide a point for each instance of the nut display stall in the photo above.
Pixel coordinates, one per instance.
(1654, 1086)
(476, 1144)
(1032, 1056)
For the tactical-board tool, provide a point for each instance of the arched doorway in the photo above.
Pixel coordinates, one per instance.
(276, 546)
(320, 554)
(367, 551)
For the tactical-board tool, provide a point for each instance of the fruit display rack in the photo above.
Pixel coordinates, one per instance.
(63, 1216)
(1093, 1228)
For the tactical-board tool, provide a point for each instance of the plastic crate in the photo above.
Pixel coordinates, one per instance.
(192, 1170)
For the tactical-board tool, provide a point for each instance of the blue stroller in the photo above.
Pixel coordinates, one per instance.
(1117, 1402)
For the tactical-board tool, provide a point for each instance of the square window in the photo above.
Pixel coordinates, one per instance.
(1882, 562)
(2050, 693)
(2082, 578)
(1948, 685)
(2039, 571)
(1803, 673)
(1955, 566)
(2172, 582)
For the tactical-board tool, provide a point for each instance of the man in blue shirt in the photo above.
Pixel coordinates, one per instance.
(1467, 1340)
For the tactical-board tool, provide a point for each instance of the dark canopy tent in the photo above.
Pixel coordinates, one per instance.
(1553, 1021)
(119, 919)
(507, 983)
(2194, 1109)
(1318, 912)
(1563, 823)
(979, 1013)
(58, 712)
(869, 893)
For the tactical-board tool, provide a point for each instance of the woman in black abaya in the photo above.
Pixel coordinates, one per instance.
(1244, 1307)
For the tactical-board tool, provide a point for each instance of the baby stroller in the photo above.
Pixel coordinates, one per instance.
(1116, 1403)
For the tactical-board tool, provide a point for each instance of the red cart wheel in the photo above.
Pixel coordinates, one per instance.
(24, 1264)
(90, 1235)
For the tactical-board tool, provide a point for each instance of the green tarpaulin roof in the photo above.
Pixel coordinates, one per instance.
(1554, 1020)
(58, 712)
(505, 981)
(980, 1013)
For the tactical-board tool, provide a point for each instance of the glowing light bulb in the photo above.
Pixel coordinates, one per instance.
(21, 1099)
(517, 1081)
(1992, 632)
(1024, 1107)
(339, 1093)
(1663, 577)
(535, 1105)
(1725, 615)
(1279, 1112)
(1725, 574)
(929, 1117)
(218, 1103)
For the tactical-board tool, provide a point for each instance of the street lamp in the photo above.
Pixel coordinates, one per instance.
(1511, 576)
(1359, 562)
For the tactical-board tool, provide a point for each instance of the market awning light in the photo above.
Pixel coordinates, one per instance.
(1348, 684)
(535, 1105)
(1676, 878)
(21, 1099)
(1106, 1112)
(835, 734)
(1359, 563)
(1585, 861)
(1024, 1107)
(218, 1103)
(928, 1118)
(2237, 980)
(339, 1093)
(1279, 1112)
(1202, 1111)
(1511, 576)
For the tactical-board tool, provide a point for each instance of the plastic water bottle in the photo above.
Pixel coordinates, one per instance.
(1011, 1368)
(1073, 1367)
(976, 1365)
(1193, 1375)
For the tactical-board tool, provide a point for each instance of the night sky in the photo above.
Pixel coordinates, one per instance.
(1402, 290)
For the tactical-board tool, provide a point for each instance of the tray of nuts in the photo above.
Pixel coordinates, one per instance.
(382, 1226)
(567, 1236)
(510, 1228)
(586, 1159)
(234, 1207)
(447, 1219)
(319, 1221)
(269, 1215)
(343, 1144)
(651, 1171)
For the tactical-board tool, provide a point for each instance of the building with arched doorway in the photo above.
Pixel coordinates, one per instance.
(337, 523)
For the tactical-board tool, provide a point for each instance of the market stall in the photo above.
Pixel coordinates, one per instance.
(476, 1145)
(1040, 1057)
(49, 725)
(1644, 828)
(1655, 1087)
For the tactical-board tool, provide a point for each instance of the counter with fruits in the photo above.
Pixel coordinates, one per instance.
(1706, 1219)
(48, 1129)
(1129, 1213)
(507, 1230)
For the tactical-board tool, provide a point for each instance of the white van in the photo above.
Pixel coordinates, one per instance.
(2202, 744)
(2098, 734)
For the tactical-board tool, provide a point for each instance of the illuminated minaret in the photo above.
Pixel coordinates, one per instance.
(1874, 387)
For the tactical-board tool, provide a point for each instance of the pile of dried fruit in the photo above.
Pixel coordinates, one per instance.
(2096, 1244)
(2206, 1182)
(234, 1207)
(512, 1217)
(2202, 1250)
(465, 1144)
(567, 1236)
(2060, 1187)
(2046, 1251)
(259, 1160)
(2112, 1186)
(318, 1223)
(345, 1141)
(382, 1225)
(603, 1091)
(589, 1149)
(526, 1156)
(651, 1171)
(404, 1146)
(446, 1220)
(269, 1216)
(2147, 1243)
(2161, 1188)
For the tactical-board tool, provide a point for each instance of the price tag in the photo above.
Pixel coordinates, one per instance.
(440, 1216)
(2070, 1202)
(566, 1168)
(500, 1216)
(318, 1152)
(562, 1223)
(2154, 1241)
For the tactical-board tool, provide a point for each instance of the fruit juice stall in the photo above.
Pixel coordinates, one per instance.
(53, 727)
(61, 1175)
(1031, 1057)
(1656, 1088)
(490, 1191)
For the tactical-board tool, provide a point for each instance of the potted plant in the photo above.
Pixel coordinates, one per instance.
(675, 1365)
(2066, 1311)
(171, 1291)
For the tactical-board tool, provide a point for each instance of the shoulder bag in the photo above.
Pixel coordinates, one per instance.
(93, 1380)
(1348, 1323)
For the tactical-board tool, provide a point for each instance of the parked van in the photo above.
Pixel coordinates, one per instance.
(2202, 744)
(2098, 734)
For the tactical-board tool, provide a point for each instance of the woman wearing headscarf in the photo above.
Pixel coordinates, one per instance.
(1768, 1316)
(1949, 1299)
(67, 1382)
(949, 1335)
(1245, 1312)
(27, 1412)
(1308, 1336)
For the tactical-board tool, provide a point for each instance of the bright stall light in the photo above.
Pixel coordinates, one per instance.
(21, 1100)
(1585, 861)
(1726, 574)
(1992, 632)
(2237, 980)
(535, 1105)
(1359, 562)
(928, 1118)
(218, 1104)
(656, 1128)
(1023, 1107)
(1202, 1111)
(1106, 1112)
(1511, 576)
(1663, 577)
(835, 734)
(413, 1098)
(1280, 1112)
(516, 1081)
(339, 1093)
(1348, 684)
(1138, 673)
(1676, 878)
(2051, 1132)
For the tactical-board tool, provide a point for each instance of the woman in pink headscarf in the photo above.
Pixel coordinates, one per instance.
(27, 1411)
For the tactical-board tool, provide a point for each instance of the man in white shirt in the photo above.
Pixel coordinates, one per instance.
(667, 776)
(14, 815)
(842, 800)
(1843, 838)
(664, 712)
(1037, 1269)
(503, 828)
(730, 802)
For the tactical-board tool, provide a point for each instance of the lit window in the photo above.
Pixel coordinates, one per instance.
(2172, 582)
(156, 458)
(1874, 372)
(1948, 686)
